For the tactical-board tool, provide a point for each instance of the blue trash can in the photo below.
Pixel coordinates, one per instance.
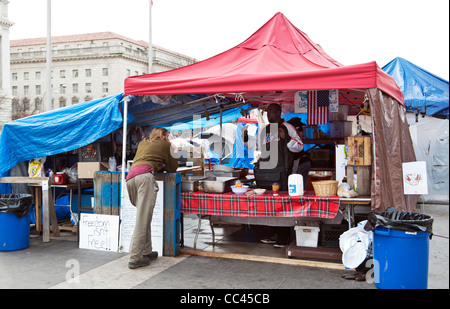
(15, 221)
(14, 232)
(400, 258)
(400, 248)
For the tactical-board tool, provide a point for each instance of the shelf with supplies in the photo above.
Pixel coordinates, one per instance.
(321, 141)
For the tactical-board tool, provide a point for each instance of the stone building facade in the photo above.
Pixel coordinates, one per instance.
(84, 67)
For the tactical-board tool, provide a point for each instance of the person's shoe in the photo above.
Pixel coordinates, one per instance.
(144, 262)
(152, 256)
(269, 240)
(280, 245)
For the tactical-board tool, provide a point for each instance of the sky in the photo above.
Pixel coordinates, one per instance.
(350, 31)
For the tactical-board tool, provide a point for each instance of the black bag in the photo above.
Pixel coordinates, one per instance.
(400, 220)
(18, 204)
(266, 177)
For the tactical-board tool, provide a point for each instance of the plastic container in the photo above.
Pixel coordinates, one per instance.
(14, 232)
(295, 185)
(400, 259)
(60, 178)
(307, 236)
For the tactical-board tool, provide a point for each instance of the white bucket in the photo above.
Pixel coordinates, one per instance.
(295, 184)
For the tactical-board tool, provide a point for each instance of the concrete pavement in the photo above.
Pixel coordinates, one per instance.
(60, 264)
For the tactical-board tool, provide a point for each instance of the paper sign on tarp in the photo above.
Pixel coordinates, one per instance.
(415, 177)
(128, 216)
(99, 232)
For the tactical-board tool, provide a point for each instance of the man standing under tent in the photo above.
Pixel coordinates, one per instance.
(288, 142)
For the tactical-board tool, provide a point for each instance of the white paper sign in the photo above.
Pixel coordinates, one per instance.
(99, 232)
(128, 216)
(415, 178)
(301, 102)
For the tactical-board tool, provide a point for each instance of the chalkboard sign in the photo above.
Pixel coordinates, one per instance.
(99, 232)
(128, 216)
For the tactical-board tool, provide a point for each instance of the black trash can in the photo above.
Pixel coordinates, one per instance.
(15, 221)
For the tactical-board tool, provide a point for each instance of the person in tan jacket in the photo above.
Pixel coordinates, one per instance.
(152, 155)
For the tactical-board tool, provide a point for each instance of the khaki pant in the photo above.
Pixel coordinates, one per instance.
(142, 190)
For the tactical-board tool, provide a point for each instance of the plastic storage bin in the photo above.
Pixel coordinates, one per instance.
(307, 236)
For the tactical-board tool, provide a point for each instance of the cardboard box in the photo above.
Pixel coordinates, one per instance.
(87, 169)
(359, 150)
(340, 129)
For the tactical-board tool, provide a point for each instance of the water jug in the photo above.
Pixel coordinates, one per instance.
(295, 184)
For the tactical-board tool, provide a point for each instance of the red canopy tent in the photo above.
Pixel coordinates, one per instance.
(278, 60)
(278, 57)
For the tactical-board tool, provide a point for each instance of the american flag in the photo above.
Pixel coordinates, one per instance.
(318, 103)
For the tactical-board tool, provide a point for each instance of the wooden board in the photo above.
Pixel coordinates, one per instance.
(267, 259)
(359, 150)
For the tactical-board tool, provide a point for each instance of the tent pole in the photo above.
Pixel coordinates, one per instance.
(221, 136)
(48, 100)
(124, 147)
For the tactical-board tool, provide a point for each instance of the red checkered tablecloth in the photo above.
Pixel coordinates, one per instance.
(265, 205)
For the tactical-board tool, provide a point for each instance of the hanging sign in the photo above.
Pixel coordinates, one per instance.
(334, 101)
(301, 102)
(415, 177)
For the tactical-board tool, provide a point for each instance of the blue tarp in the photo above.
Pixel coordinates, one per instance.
(78, 125)
(58, 131)
(214, 119)
(420, 87)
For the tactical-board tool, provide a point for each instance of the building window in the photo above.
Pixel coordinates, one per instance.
(62, 102)
(75, 100)
(88, 72)
(14, 76)
(105, 87)
(14, 91)
(88, 88)
(75, 88)
(75, 73)
(26, 90)
(62, 73)
(62, 88)
(26, 75)
(26, 104)
(38, 75)
(38, 104)
(105, 71)
(38, 89)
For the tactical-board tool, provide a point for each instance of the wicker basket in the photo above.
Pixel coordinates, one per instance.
(325, 187)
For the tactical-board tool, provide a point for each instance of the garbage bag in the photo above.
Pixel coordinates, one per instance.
(354, 245)
(18, 204)
(400, 220)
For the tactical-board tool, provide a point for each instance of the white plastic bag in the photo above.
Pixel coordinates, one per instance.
(354, 245)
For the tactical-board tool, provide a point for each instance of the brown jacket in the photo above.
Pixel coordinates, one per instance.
(155, 154)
